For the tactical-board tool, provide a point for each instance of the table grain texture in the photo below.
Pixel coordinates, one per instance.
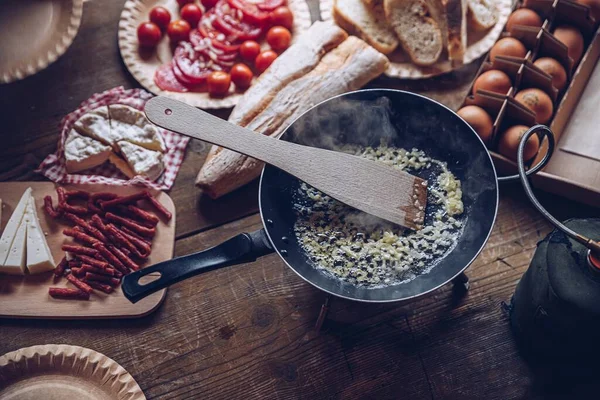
(247, 332)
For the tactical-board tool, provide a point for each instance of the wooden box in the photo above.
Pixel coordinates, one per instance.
(572, 174)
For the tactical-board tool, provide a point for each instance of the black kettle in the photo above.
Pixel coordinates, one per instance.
(555, 310)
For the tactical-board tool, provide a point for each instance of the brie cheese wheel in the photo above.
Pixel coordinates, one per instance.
(131, 125)
(96, 124)
(82, 152)
(142, 161)
(39, 256)
(15, 262)
(10, 231)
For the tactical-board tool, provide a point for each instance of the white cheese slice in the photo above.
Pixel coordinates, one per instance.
(12, 226)
(142, 161)
(96, 124)
(15, 262)
(131, 125)
(39, 256)
(82, 152)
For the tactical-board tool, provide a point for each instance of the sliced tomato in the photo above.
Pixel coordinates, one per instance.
(208, 30)
(194, 65)
(229, 21)
(250, 11)
(269, 5)
(165, 79)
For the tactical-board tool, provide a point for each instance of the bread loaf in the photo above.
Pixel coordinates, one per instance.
(348, 67)
(482, 14)
(296, 61)
(419, 34)
(367, 22)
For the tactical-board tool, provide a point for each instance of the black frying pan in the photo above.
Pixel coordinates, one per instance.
(356, 118)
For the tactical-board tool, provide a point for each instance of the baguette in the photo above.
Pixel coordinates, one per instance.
(296, 61)
(366, 22)
(456, 21)
(346, 68)
(419, 34)
(482, 14)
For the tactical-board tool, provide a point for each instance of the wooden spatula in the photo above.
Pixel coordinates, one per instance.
(369, 186)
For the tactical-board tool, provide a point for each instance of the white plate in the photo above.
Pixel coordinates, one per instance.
(478, 45)
(34, 34)
(143, 66)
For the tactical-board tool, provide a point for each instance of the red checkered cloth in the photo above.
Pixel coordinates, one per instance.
(53, 166)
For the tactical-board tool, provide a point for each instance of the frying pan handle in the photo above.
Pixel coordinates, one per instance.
(542, 131)
(242, 248)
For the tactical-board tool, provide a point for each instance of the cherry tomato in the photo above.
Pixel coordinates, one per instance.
(191, 13)
(148, 34)
(218, 83)
(209, 3)
(279, 38)
(184, 2)
(249, 50)
(264, 59)
(161, 17)
(178, 30)
(241, 76)
(282, 16)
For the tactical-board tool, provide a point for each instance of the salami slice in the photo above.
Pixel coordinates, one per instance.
(165, 79)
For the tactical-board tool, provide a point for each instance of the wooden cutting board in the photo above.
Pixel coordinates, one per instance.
(27, 296)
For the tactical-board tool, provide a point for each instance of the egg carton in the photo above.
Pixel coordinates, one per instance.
(504, 109)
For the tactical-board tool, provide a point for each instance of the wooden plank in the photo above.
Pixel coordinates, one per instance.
(27, 296)
(248, 330)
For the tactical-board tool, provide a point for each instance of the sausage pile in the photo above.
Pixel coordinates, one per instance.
(111, 236)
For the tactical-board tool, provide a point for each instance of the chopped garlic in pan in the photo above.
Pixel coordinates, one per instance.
(367, 251)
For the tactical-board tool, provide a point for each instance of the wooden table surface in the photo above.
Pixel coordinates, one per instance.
(248, 331)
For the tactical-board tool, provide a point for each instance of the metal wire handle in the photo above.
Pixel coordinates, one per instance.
(545, 131)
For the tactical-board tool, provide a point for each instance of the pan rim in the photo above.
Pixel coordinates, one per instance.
(467, 265)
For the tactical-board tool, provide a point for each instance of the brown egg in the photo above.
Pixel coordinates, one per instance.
(523, 16)
(479, 120)
(509, 143)
(594, 6)
(508, 47)
(493, 80)
(554, 69)
(538, 102)
(572, 38)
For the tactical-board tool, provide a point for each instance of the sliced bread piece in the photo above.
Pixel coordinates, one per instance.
(482, 14)
(346, 68)
(419, 34)
(366, 22)
(82, 152)
(456, 28)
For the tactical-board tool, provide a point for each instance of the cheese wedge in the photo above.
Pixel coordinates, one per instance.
(96, 124)
(121, 165)
(131, 125)
(15, 262)
(82, 152)
(142, 161)
(12, 226)
(39, 256)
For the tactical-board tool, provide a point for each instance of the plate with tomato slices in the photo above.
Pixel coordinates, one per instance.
(206, 52)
